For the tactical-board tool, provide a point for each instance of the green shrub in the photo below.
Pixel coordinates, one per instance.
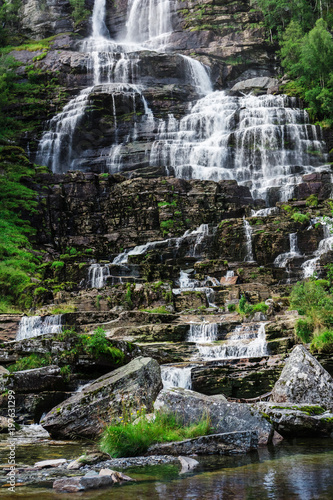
(127, 439)
(57, 264)
(98, 345)
(128, 295)
(323, 342)
(301, 218)
(304, 329)
(312, 201)
(158, 310)
(231, 307)
(30, 362)
(260, 307)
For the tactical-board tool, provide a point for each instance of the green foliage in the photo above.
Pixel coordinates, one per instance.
(167, 225)
(79, 12)
(98, 345)
(128, 295)
(308, 59)
(66, 371)
(312, 201)
(231, 307)
(128, 439)
(304, 329)
(58, 264)
(301, 218)
(17, 262)
(30, 362)
(323, 342)
(245, 308)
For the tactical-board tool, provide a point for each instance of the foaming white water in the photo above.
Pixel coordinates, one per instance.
(325, 245)
(34, 326)
(188, 285)
(197, 235)
(148, 27)
(283, 259)
(264, 212)
(202, 332)
(262, 142)
(248, 241)
(239, 345)
(174, 376)
(97, 274)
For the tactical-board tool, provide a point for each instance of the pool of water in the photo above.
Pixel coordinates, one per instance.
(299, 469)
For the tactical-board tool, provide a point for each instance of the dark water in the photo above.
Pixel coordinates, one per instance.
(302, 469)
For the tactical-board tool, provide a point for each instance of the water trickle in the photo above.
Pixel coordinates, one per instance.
(188, 285)
(284, 259)
(34, 326)
(325, 245)
(265, 212)
(175, 376)
(248, 241)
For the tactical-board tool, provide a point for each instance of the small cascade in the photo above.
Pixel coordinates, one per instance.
(284, 259)
(248, 241)
(228, 276)
(265, 212)
(202, 232)
(245, 342)
(188, 285)
(199, 75)
(34, 326)
(55, 147)
(97, 274)
(175, 376)
(199, 233)
(202, 332)
(325, 245)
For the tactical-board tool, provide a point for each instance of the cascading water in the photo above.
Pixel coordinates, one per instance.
(34, 326)
(175, 376)
(202, 332)
(243, 343)
(258, 141)
(199, 234)
(115, 69)
(97, 274)
(188, 285)
(325, 245)
(248, 241)
(283, 259)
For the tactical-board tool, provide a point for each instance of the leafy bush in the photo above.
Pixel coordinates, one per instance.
(301, 218)
(231, 307)
(128, 439)
(158, 310)
(312, 201)
(98, 345)
(323, 342)
(30, 362)
(304, 329)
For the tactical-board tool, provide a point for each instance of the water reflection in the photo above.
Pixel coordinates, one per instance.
(295, 470)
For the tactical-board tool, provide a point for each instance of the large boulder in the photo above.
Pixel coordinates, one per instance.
(36, 380)
(304, 380)
(225, 416)
(228, 443)
(129, 388)
(298, 420)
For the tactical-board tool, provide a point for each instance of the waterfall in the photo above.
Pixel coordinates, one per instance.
(202, 332)
(188, 285)
(199, 233)
(199, 75)
(97, 274)
(325, 245)
(174, 376)
(283, 259)
(248, 241)
(116, 67)
(265, 212)
(258, 141)
(243, 343)
(34, 326)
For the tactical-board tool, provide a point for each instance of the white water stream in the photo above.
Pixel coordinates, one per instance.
(34, 326)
